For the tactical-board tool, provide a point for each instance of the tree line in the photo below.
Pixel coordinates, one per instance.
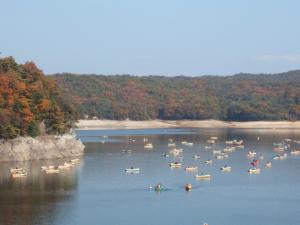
(241, 97)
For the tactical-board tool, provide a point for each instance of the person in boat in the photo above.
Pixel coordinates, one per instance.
(158, 187)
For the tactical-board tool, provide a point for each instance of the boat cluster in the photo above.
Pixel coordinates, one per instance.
(219, 154)
(20, 172)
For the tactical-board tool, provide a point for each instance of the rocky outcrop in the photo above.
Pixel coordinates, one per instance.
(43, 147)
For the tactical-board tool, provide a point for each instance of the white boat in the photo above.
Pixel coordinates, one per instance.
(132, 170)
(171, 144)
(17, 169)
(48, 171)
(47, 167)
(268, 165)
(191, 168)
(217, 152)
(284, 156)
(148, 146)
(19, 174)
(175, 165)
(209, 161)
(189, 144)
(226, 168)
(229, 142)
(222, 156)
(176, 151)
(197, 156)
(214, 138)
(276, 157)
(251, 154)
(295, 152)
(254, 171)
(203, 176)
(236, 142)
(229, 149)
(211, 141)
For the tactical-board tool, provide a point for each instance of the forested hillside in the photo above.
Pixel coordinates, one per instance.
(28, 98)
(241, 97)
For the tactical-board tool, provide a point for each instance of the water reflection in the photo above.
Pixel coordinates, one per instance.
(36, 198)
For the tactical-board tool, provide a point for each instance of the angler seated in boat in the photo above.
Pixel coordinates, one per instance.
(175, 165)
(158, 187)
(188, 187)
(132, 170)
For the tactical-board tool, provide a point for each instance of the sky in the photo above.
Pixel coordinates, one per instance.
(153, 37)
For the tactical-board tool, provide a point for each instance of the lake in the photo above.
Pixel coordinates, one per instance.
(97, 191)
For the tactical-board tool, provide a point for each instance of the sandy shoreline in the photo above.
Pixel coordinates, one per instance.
(128, 124)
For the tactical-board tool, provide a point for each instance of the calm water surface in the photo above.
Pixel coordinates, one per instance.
(98, 191)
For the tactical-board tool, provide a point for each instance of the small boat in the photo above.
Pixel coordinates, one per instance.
(295, 152)
(284, 156)
(176, 151)
(251, 154)
(165, 155)
(236, 142)
(18, 174)
(175, 165)
(203, 176)
(48, 171)
(148, 146)
(215, 152)
(276, 157)
(268, 165)
(229, 149)
(254, 171)
(189, 144)
(229, 142)
(191, 168)
(145, 139)
(209, 161)
(132, 170)
(222, 156)
(15, 170)
(171, 144)
(226, 168)
(197, 156)
(214, 138)
(46, 167)
(211, 141)
(188, 187)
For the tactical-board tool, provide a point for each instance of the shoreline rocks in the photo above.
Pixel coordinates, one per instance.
(42, 147)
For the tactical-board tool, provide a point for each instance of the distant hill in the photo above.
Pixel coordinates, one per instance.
(28, 98)
(241, 97)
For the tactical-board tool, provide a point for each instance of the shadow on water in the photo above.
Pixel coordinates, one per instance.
(35, 198)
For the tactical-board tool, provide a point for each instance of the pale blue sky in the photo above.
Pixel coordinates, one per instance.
(166, 37)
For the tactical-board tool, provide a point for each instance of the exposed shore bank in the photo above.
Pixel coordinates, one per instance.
(128, 124)
(43, 147)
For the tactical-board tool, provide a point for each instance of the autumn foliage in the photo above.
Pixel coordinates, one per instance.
(241, 97)
(28, 98)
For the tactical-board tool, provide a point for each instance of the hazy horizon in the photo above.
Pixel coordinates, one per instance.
(165, 38)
